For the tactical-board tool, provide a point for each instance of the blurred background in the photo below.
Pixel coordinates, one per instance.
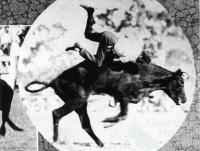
(11, 39)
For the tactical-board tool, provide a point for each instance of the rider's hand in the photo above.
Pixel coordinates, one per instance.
(77, 45)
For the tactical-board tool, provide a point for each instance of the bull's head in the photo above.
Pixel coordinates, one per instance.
(175, 88)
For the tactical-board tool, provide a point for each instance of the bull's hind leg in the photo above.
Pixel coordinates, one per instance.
(85, 123)
(57, 115)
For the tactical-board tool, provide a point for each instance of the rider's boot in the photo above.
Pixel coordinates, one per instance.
(90, 11)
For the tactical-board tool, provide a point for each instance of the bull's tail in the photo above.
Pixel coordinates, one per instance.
(44, 86)
(13, 126)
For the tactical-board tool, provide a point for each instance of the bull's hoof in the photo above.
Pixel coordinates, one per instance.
(99, 143)
(17, 129)
(20, 130)
(115, 119)
(2, 131)
(55, 138)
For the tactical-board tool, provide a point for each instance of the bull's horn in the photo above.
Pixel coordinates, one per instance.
(178, 71)
(185, 75)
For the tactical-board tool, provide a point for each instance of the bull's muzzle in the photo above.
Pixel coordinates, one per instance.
(112, 103)
(183, 99)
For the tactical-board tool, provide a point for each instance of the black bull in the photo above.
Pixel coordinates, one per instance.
(6, 96)
(135, 81)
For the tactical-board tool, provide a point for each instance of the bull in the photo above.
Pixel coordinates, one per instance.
(124, 81)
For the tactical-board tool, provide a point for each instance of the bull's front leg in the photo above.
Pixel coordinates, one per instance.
(122, 114)
(123, 108)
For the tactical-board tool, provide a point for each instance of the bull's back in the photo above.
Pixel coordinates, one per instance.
(150, 72)
(130, 84)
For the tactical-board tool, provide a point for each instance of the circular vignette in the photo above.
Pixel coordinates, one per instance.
(174, 6)
(191, 107)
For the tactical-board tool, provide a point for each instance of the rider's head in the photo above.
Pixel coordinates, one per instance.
(128, 48)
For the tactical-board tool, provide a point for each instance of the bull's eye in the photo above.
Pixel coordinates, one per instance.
(180, 80)
(181, 83)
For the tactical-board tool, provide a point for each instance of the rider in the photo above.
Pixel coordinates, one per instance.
(110, 45)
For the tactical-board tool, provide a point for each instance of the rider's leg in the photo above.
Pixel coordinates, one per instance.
(98, 58)
(106, 40)
(106, 37)
(89, 32)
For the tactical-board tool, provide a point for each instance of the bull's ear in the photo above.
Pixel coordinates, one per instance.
(178, 71)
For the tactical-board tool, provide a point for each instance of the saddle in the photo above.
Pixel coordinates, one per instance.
(129, 67)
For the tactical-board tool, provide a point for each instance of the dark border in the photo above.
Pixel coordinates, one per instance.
(185, 14)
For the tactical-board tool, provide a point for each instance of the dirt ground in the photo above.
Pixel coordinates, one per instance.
(142, 130)
(19, 141)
